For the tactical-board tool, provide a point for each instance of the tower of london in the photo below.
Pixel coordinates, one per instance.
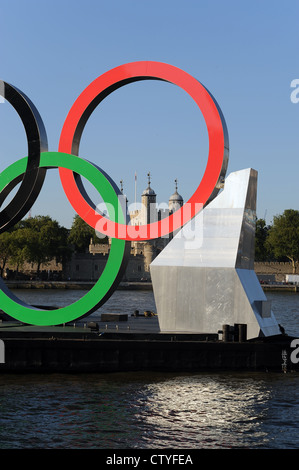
(142, 252)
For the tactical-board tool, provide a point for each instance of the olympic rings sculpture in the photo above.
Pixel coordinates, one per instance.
(30, 171)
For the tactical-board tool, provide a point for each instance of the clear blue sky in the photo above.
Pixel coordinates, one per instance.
(245, 53)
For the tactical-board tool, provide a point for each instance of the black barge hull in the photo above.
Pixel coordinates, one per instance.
(69, 350)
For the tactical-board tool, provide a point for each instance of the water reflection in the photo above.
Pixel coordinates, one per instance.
(152, 411)
(121, 301)
(285, 307)
(205, 412)
(155, 411)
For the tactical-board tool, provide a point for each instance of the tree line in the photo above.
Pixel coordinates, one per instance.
(280, 240)
(41, 239)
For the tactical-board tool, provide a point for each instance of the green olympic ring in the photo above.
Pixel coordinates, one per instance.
(114, 267)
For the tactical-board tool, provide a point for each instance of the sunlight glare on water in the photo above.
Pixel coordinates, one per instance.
(151, 410)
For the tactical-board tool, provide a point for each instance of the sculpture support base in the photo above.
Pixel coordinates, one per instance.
(204, 282)
(202, 300)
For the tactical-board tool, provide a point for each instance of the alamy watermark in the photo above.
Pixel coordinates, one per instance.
(295, 354)
(188, 226)
(295, 93)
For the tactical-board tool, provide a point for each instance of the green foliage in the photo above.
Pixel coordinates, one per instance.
(263, 251)
(81, 234)
(43, 239)
(19, 241)
(7, 249)
(35, 240)
(284, 236)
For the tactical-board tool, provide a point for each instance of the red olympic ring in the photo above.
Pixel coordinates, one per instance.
(81, 110)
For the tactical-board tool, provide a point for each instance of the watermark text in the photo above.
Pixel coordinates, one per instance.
(295, 353)
(155, 459)
(295, 92)
(147, 222)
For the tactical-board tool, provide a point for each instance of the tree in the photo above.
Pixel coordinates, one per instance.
(6, 250)
(262, 248)
(14, 247)
(19, 242)
(284, 236)
(42, 239)
(81, 234)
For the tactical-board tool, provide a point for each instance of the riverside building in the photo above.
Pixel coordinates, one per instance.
(89, 266)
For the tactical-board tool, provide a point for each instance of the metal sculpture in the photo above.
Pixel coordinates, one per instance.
(31, 171)
(217, 158)
(34, 176)
(204, 278)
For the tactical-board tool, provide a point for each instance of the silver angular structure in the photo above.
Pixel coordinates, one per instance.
(204, 278)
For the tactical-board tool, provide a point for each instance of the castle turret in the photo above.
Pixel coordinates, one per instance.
(175, 201)
(148, 200)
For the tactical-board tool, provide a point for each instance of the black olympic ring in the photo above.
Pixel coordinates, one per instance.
(32, 181)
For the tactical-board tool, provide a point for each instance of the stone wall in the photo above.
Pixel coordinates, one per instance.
(274, 271)
(48, 271)
(89, 266)
(85, 266)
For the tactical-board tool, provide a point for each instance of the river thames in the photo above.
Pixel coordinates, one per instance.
(151, 410)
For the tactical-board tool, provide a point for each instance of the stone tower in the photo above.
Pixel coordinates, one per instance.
(148, 200)
(176, 200)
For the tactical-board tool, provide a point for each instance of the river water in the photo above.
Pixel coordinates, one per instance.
(151, 410)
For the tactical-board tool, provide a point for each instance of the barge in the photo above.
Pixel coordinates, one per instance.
(136, 344)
